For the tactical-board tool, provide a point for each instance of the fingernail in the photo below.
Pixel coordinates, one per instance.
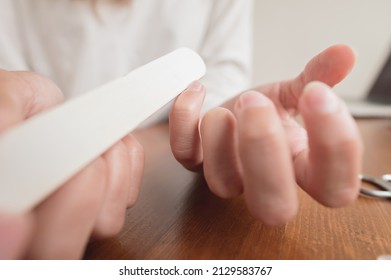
(320, 98)
(195, 86)
(252, 99)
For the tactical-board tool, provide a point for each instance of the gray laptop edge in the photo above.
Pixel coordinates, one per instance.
(378, 100)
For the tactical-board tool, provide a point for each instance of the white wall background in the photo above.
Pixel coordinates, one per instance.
(289, 33)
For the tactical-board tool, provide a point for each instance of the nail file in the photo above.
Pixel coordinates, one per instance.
(42, 153)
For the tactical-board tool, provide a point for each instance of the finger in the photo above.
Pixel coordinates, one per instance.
(65, 220)
(15, 234)
(269, 185)
(221, 160)
(184, 120)
(23, 94)
(112, 213)
(136, 169)
(328, 171)
(330, 66)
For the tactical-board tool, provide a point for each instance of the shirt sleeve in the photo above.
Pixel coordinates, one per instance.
(227, 51)
(11, 53)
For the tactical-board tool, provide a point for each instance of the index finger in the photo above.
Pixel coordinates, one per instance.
(330, 67)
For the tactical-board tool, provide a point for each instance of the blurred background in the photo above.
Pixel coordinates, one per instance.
(289, 33)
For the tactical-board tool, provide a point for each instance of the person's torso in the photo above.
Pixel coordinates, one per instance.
(80, 46)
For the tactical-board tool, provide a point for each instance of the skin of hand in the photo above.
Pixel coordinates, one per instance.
(253, 145)
(90, 205)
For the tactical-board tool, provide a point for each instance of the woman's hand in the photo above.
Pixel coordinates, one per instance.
(91, 204)
(252, 144)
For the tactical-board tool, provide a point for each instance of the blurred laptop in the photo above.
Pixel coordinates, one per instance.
(377, 102)
(284, 43)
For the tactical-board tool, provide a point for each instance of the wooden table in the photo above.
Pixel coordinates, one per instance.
(177, 217)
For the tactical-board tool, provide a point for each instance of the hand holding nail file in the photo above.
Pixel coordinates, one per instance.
(46, 150)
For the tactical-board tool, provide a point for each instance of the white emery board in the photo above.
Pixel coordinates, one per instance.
(42, 153)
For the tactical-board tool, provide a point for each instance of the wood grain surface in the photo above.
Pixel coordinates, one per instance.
(177, 217)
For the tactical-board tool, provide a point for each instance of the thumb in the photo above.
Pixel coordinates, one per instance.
(23, 94)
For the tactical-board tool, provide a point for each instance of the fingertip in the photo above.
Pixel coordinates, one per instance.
(195, 86)
(280, 213)
(107, 227)
(341, 54)
(339, 197)
(348, 50)
(332, 65)
(192, 97)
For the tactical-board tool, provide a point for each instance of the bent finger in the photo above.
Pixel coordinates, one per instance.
(221, 165)
(328, 171)
(136, 168)
(269, 184)
(184, 121)
(112, 213)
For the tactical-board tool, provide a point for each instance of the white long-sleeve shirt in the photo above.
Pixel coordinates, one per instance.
(80, 48)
